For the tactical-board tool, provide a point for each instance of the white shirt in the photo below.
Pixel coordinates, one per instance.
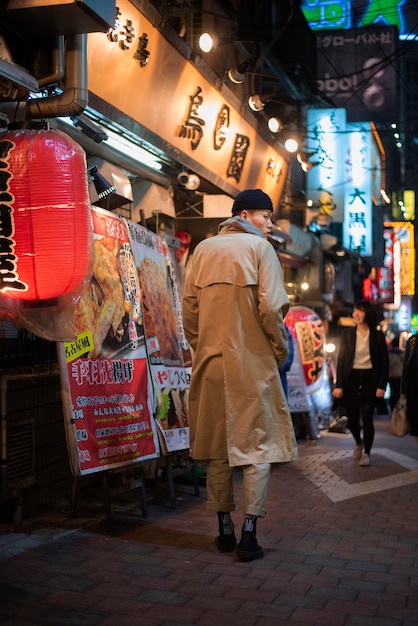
(362, 360)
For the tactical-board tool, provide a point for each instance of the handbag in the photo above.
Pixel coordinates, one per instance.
(338, 424)
(399, 424)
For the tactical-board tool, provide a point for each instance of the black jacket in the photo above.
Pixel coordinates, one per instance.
(378, 354)
(409, 352)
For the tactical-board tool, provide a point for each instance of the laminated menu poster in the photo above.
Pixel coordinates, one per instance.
(167, 348)
(105, 379)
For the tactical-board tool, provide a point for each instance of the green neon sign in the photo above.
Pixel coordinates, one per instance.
(335, 14)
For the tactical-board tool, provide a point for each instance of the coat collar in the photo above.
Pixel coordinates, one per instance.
(238, 224)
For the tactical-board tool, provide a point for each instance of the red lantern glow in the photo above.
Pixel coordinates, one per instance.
(45, 221)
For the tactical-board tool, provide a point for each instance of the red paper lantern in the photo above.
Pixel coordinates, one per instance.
(45, 220)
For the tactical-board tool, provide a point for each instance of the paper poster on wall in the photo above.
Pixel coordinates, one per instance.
(167, 348)
(105, 378)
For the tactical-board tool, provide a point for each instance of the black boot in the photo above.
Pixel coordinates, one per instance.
(226, 540)
(248, 548)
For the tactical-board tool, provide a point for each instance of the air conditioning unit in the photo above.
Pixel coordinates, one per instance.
(40, 18)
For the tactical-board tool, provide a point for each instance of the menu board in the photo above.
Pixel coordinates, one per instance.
(168, 351)
(105, 379)
(125, 378)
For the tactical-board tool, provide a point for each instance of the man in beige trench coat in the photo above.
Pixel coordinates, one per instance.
(234, 305)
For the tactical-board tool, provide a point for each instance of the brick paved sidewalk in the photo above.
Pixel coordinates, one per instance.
(341, 547)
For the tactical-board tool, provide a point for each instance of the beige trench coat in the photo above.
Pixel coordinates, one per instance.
(233, 307)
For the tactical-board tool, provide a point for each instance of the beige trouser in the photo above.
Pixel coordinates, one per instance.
(220, 487)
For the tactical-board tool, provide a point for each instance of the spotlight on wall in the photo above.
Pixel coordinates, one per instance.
(274, 124)
(237, 74)
(257, 103)
(189, 181)
(291, 145)
(305, 163)
(208, 42)
(101, 185)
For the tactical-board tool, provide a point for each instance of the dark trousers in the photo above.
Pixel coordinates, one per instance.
(395, 391)
(361, 402)
(365, 413)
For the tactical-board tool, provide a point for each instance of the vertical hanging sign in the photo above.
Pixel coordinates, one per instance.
(385, 274)
(325, 144)
(357, 227)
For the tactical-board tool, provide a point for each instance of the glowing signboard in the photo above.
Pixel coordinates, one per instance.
(324, 14)
(325, 141)
(357, 228)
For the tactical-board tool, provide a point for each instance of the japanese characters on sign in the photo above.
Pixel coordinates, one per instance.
(354, 72)
(192, 129)
(158, 88)
(404, 258)
(357, 227)
(325, 181)
(105, 380)
(308, 333)
(385, 274)
(168, 351)
(123, 33)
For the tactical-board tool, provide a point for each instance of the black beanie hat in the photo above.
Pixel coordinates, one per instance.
(251, 199)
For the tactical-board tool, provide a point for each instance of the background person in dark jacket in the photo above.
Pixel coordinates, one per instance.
(409, 383)
(362, 375)
(396, 362)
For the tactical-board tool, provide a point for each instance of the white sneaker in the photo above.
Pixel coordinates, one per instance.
(365, 460)
(358, 449)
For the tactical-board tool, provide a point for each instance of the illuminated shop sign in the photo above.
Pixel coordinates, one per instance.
(357, 227)
(326, 142)
(405, 251)
(172, 103)
(325, 14)
(353, 71)
(386, 274)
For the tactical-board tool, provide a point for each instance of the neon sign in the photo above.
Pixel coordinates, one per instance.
(332, 14)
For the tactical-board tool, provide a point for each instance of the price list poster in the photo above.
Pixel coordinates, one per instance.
(105, 378)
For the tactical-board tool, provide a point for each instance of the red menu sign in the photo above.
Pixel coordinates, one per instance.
(105, 378)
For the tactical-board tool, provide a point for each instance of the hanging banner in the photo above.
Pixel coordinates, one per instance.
(358, 217)
(404, 238)
(167, 348)
(105, 381)
(385, 274)
(325, 144)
